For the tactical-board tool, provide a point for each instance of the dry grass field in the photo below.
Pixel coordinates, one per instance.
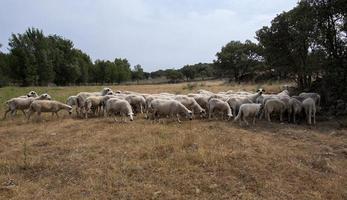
(69, 158)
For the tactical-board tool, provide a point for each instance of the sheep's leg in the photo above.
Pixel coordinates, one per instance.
(281, 116)
(294, 118)
(244, 119)
(254, 120)
(25, 115)
(178, 118)
(8, 110)
(268, 116)
(56, 113)
(29, 114)
(314, 117)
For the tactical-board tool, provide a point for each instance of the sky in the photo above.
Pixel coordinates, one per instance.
(157, 34)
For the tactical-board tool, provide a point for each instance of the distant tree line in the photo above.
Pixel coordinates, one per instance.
(307, 44)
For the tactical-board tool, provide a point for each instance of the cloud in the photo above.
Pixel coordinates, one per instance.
(153, 33)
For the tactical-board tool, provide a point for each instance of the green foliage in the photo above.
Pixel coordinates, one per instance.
(173, 75)
(237, 59)
(137, 73)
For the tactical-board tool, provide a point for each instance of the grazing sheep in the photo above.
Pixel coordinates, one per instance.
(161, 107)
(248, 110)
(71, 100)
(235, 104)
(274, 105)
(115, 106)
(93, 102)
(315, 96)
(202, 100)
(22, 104)
(82, 96)
(309, 106)
(222, 106)
(54, 107)
(295, 108)
(30, 94)
(191, 104)
(138, 102)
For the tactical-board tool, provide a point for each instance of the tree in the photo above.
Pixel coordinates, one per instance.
(173, 75)
(237, 59)
(137, 73)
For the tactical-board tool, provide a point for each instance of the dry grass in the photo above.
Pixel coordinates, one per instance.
(100, 159)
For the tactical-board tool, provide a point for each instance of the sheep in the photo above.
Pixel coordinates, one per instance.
(235, 104)
(274, 105)
(138, 102)
(54, 107)
(248, 110)
(295, 108)
(315, 96)
(191, 104)
(309, 106)
(222, 106)
(115, 106)
(30, 94)
(202, 100)
(81, 97)
(72, 101)
(22, 104)
(93, 102)
(162, 107)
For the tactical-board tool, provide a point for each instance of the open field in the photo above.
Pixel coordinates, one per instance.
(70, 158)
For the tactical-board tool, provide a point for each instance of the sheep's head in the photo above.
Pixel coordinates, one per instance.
(105, 91)
(69, 109)
(190, 115)
(131, 116)
(230, 116)
(110, 93)
(32, 94)
(45, 96)
(202, 113)
(260, 90)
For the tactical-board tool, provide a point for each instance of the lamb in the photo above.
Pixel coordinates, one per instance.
(222, 106)
(274, 105)
(72, 101)
(115, 106)
(248, 110)
(309, 106)
(161, 107)
(191, 104)
(295, 108)
(22, 104)
(82, 96)
(48, 106)
(138, 102)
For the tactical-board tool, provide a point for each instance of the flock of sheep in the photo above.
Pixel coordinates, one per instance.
(203, 104)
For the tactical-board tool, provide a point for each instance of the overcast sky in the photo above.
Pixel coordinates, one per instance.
(154, 33)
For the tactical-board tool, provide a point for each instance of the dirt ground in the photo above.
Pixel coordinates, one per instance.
(69, 158)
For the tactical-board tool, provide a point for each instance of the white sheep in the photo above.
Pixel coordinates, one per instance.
(295, 108)
(191, 104)
(248, 110)
(138, 102)
(82, 96)
(171, 108)
(119, 106)
(72, 101)
(215, 104)
(309, 106)
(274, 106)
(54, 107)
(315, 96)
(22, 104)
(235, 104)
